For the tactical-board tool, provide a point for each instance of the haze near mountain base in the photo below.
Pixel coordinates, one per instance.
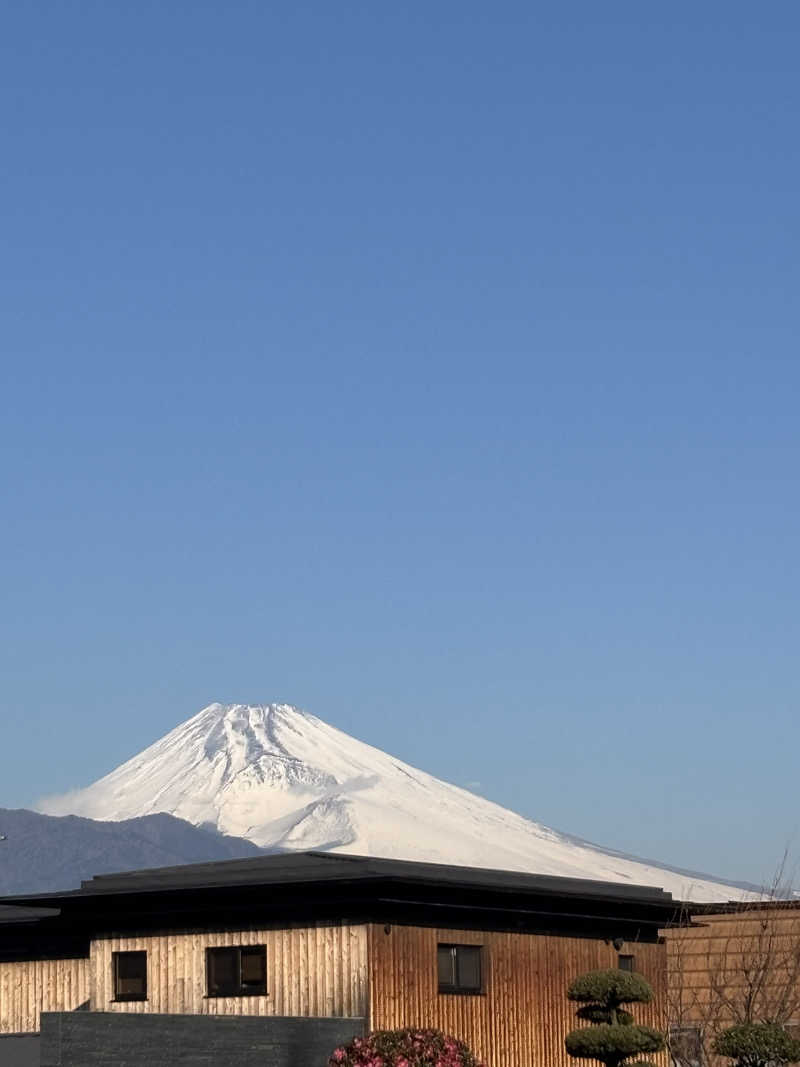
(284, 779)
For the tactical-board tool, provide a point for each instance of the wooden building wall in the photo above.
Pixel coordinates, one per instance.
(316, 970)
(523, 1015)
(709, 963)
(31, 987)
(350, 970)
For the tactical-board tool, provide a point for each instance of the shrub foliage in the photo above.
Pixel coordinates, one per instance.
(404, 1048)
(612, 1044)
(613, 1038)
(597, 1013)
(757, 1044)
(610, 988)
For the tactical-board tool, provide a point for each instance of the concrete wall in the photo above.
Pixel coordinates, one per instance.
(85, 1039)
(19, 1050)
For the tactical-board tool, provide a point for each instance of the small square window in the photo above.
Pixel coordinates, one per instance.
(626, 963)
(239, 971)
(459, 968)
(130, 975)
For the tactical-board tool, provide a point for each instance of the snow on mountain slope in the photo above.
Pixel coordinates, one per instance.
(287, 780)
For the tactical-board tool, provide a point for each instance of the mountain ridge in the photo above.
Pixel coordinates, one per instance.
(285, 779)
(42, 853)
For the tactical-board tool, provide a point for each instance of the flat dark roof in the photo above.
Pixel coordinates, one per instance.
(12, 914)
(297, 868)
(335, 887)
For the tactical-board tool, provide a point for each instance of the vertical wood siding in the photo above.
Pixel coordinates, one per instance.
(316, 970)
(522, 1016)
(31, 987)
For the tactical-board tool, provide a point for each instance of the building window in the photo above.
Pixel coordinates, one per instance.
(459, 968)
(626, 963)
(130, 975)
(237, 972)
(685, 1046)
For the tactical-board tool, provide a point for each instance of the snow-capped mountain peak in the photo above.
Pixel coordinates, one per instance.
(287, 780)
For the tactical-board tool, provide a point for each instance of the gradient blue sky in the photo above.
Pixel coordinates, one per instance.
(432, 367)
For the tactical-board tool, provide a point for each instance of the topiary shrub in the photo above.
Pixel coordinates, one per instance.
(404, 1048)
(596, 1013)
(613, 1038)
(613, 1044)
(757, 1045)
(609, 989)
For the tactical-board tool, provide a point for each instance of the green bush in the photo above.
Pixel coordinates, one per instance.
(610, 988)
(757, 1045)
(612, 1044)
(612, 1038)
(599, 1013)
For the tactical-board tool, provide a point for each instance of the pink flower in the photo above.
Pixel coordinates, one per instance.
(410, 1047)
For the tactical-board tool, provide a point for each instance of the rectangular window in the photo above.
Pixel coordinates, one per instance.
(685, 1046)
(459, 968)
(130, 975)
(626, 963)
(237, 972)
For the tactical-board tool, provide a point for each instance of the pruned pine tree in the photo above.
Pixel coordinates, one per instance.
(613, 1037)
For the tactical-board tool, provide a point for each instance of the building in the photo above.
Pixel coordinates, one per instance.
(727, 965)
(295, 953)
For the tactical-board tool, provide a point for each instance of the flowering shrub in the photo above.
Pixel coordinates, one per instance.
(404, 1048)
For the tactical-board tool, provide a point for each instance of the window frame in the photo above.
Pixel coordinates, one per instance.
(686, 1033)
(458, 988)
(629, 959)
(240, 989)
(125, 998)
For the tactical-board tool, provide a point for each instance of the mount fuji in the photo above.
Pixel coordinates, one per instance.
(286, 780)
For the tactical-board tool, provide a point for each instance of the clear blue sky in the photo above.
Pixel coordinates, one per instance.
(432, 367)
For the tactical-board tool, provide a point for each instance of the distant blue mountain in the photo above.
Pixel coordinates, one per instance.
(39, 853)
